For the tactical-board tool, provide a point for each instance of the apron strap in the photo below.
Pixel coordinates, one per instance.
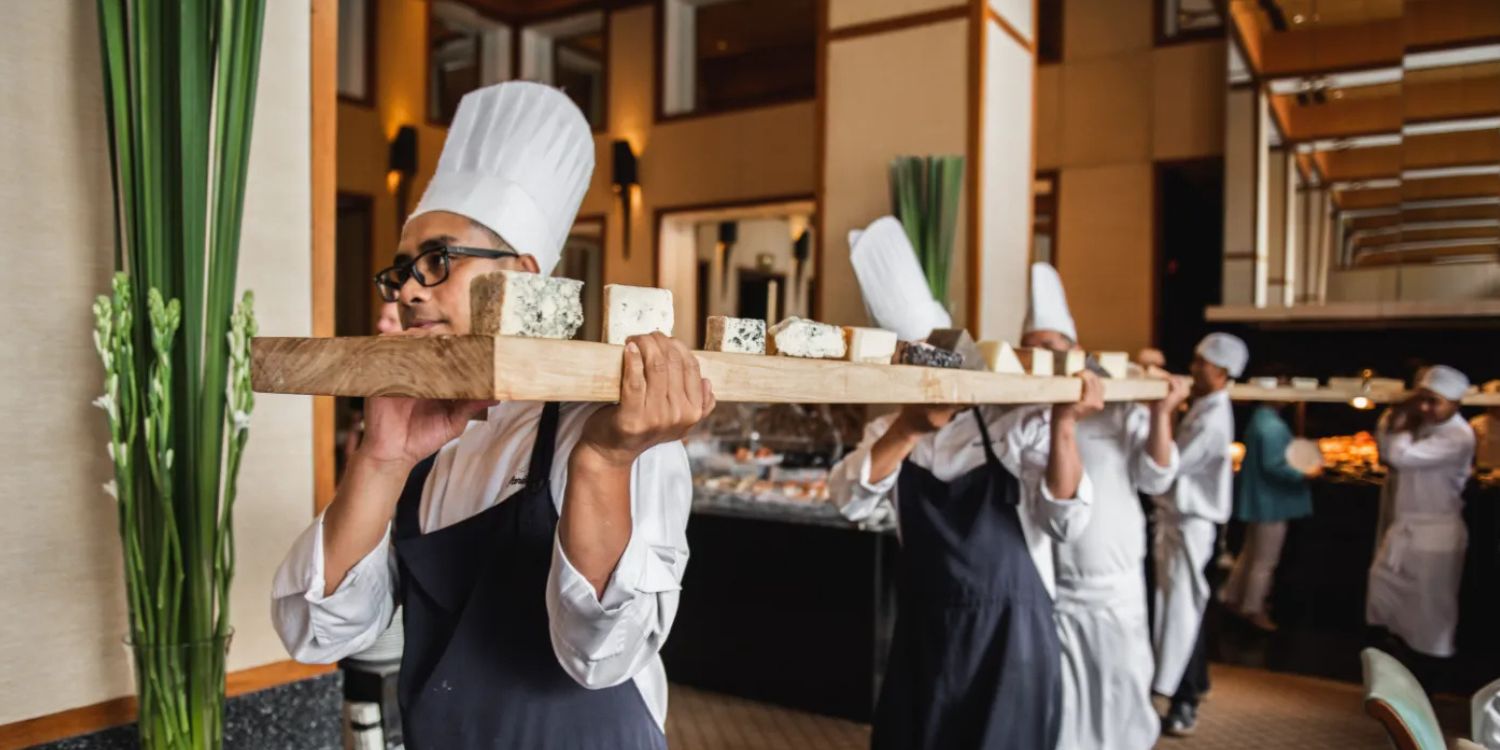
(409, 507)
(989, 446)
(545, 446)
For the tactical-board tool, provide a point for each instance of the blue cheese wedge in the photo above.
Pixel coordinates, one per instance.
(870, 345)
(735, 335)
(923, 354)
(635, 311)
(798, 337)
(516, 303)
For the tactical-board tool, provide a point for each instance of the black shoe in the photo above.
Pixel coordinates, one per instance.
(1181, 721)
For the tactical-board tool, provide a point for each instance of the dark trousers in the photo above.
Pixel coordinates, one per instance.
(1195, 678)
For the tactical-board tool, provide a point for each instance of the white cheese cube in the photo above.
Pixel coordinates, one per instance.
(1070, 362)
(797, 337)
(635, 311)
(1117, 364)
(1036, 361)
(1305, 384)
(737, 335)
(516, 303)
(998, 356)
(872, 345)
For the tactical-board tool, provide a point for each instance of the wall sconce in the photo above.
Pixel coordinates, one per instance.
(729, 233)
(402, 168)
(623, 179)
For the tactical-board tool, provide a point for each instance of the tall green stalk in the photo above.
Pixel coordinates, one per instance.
(925, 191)
(180, 86)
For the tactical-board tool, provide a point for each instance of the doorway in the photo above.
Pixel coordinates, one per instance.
(1189, 253)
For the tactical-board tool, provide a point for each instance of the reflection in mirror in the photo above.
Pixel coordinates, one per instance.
(466, 51)
(583, 259)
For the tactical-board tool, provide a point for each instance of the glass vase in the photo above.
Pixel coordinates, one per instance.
(180, 693)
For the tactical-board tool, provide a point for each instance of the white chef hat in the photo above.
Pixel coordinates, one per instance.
(1049, 304)
(518, 160)
(1444, 381)
(894, 287)
(1226, 351)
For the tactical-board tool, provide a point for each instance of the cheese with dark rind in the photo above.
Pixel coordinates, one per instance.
(516, 303)
(923, 354)
(958, 340)
(799, 337)
(735, 335)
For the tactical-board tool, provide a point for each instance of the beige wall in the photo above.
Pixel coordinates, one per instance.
(896, 93)
(60, 644)
(1113, 107)
(843, 13)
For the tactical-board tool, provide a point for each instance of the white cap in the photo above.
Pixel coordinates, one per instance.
(1049, 304)
(1444, 381)
(1226, 351)
(518, 160)
(894, 287)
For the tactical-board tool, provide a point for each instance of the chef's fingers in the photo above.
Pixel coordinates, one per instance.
(655, 360)
(633, 374)
(692, 375)
(676, 398)
(709, 400)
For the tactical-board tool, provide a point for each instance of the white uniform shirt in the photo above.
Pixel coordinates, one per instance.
(1022, 441)
(599, 642)
(1432, 465)
(1114, 445)
(1205, 471)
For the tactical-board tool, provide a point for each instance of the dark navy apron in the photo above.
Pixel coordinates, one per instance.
(975, 661)
(478, 671)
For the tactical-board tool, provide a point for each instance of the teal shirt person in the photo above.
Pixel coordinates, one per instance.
(1269, 489)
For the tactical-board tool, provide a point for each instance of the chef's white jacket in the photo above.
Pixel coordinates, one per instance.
(1205, 470)
(599, 641)
(1432, 464)
(1023, 442)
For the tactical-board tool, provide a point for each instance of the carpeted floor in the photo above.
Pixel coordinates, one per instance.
(1248, 708)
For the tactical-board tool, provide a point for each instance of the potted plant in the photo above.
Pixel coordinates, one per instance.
(924, 196)
(179, 85)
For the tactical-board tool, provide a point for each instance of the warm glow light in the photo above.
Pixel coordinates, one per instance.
(392, 180)
(1362, 403)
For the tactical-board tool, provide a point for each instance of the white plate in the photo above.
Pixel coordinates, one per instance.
(1303, 455)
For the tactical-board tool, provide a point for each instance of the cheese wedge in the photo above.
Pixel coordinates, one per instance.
(635, 311)
(516, 303)
(872, 345)
(998, 356)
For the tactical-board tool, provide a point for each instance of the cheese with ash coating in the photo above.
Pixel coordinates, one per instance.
(958, 340)
(735, 335)
(999, 357)
(516, 303)
(923, 354)
(798, 337)
(871, 345)
(635, 311)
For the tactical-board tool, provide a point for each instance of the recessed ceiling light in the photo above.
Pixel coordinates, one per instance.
(1298, 18)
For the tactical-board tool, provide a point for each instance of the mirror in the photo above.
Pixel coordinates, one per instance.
(1363, 157)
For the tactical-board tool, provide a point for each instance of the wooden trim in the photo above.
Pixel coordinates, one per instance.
(372, 38)
(1010, 31)
(118, 711)
(605, 125)
(659, 66)
(780, 101)
(1400, 735)
(1062, 40)
(1275, 75)
(1255, 185)
(1243, 85)
(659, 213)
(1053, 175)
(973, 176)
(323, 88)
(820, 163)
(900, 23)
(1442, 46)
(1239, 256)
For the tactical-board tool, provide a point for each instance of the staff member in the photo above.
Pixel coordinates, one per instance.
(537, 554)
(1415, 575)
(1271, 492)
(1102, 625)
(1187, 519)
(1487, 431)
(974, 660)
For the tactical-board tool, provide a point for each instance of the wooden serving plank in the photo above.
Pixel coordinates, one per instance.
(1321, 395)
(522, 369)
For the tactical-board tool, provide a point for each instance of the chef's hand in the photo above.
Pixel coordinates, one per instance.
(403, 431)
(1178, 389)
(921, 419)
(662, 395)
(1090, 402)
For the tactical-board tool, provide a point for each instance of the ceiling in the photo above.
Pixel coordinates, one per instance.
(1394, 105)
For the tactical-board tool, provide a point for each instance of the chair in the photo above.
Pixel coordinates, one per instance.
(1395, 698)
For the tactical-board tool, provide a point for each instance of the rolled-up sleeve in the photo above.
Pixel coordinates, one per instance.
(604, 641)
(318, 629)
(1447, 445)
(1026, 450)
(849, 485)
(1149, 477)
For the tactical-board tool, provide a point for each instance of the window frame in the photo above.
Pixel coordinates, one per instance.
(660, 9)
(1162, 39)
(371, 63)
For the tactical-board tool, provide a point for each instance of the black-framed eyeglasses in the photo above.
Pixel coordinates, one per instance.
(430, 268)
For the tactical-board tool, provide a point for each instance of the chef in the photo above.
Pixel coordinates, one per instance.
(537, 554)
(1126, 449)
(1186, 519)
(1415, 575)
(974, 660)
